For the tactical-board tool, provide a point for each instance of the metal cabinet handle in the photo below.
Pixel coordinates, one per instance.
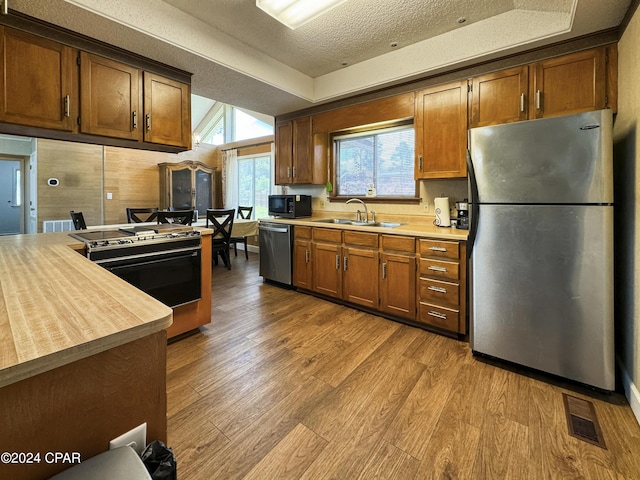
(384, 270)
(346, 263)
(148, 118)
(420, 163)
(337, 262)
(439, 315)
(294, 172)
(438, 249)
(306, 256)
(522, 98)
(67, 105)
(288, 172)
(437, 289)
(538, 99)
(437, 269)
(134, 119)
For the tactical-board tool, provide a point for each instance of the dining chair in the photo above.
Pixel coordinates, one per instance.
(141, 215)
(78, 220)
(179, 217)
(244, 213)
(222, 222)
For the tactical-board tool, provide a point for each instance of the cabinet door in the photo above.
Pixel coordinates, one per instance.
(284, 153)
(204, 190)
(38, 82)
(302, 264)
(360, 267)
(570, 84)
(110, 98)
(327, 269)
(302, 151)
(181, 194)
(441, 131)
(398, 285)
(167, 111)
(500, 97)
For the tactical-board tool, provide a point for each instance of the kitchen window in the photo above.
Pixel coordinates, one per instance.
(382, 158)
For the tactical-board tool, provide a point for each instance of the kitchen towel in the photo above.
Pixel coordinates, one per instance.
(443, 217)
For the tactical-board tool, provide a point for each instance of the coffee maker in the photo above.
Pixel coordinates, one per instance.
(463, 214)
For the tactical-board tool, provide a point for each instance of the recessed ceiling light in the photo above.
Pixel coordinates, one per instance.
(393, 44)
(462, 20)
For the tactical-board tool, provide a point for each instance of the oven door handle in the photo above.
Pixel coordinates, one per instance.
(161, 255)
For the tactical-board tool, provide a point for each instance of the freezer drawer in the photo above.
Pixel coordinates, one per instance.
(541, 289)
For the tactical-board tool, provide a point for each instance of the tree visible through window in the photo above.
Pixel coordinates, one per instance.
(383, 158)
(254, 184)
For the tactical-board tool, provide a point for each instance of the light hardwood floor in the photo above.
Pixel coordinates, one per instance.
(282, 385)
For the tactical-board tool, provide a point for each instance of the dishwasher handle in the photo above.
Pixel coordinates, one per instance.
(268, 228)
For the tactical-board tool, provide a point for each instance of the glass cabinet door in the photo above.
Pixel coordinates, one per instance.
(204, 191)
(181, 189)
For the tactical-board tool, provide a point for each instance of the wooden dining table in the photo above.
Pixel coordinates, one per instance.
(242, 227)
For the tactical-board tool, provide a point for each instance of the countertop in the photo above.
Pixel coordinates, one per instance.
(56, 306)
(412, 226)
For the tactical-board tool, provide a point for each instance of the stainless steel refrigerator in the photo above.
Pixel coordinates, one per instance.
(541, 245)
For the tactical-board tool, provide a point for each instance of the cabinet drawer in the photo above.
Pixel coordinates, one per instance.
(327, 235)
(439, 248)
(360, 238)
(434, 291)
(302, 232)
(438, 316)
(439, 269)
(398, 243)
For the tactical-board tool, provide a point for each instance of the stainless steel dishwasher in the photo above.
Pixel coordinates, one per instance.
(276, 241)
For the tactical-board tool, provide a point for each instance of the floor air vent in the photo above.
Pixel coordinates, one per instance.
(582, 421)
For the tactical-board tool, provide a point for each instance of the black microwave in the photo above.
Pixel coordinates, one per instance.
(290, 206)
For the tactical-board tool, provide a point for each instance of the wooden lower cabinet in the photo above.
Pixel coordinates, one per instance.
(326, 250)
(360, 266)
(442, 285)
(302, 260)
(419, 280)
(398, 276)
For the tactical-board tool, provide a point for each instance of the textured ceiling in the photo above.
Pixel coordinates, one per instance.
(242, 56)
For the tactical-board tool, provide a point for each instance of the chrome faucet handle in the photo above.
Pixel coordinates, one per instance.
(373, 216)
(358, 216)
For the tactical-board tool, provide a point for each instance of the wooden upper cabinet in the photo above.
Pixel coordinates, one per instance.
(569, 84)
(284, 152)
(500, 97)
(38, 81)
(300, 155)
(441, 131)
(111, 98)
(167, 111)
(302, 150)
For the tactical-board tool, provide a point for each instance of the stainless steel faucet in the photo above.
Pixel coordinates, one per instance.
(366, 212)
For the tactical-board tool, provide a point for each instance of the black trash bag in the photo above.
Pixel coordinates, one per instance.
(160, 461)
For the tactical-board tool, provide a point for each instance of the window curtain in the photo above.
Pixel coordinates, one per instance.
(230, 178)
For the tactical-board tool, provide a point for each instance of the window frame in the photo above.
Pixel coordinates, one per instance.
(367, 131)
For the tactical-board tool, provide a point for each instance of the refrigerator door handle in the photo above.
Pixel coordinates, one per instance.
(473, 201)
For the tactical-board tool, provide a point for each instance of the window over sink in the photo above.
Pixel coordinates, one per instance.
(381, 158)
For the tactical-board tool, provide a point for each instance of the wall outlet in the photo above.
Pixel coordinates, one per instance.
(426, 206)
(135, 438)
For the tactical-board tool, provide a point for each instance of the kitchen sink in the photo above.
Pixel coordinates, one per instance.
(344, 221)
(335, 220)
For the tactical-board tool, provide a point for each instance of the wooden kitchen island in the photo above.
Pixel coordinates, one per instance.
(82, 356)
